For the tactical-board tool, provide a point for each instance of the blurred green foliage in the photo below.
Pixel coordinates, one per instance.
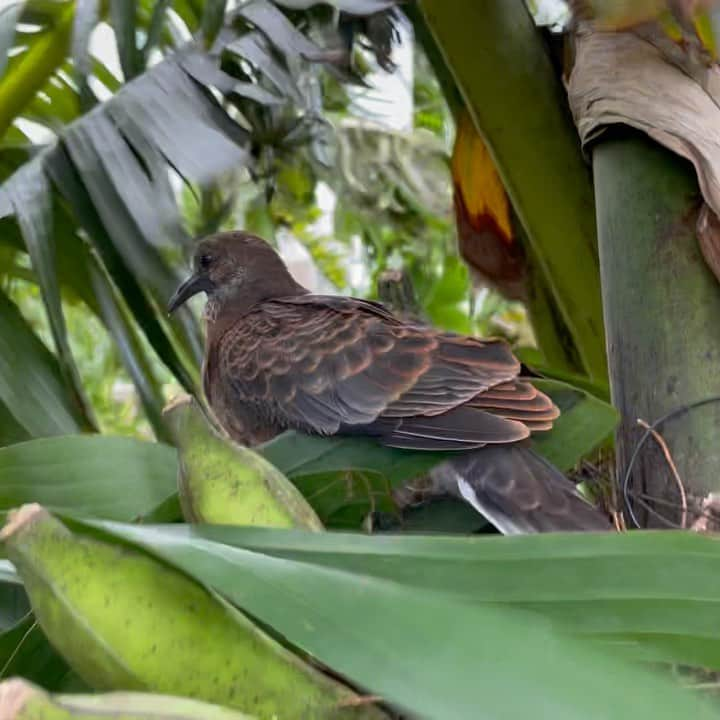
(108, 385)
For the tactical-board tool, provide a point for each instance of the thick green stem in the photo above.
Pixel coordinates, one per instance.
(517, 102)
(662, 306)
(19, 87)
(551, 333)
(445, 78)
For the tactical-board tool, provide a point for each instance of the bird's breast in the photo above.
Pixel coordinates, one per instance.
(246, 421)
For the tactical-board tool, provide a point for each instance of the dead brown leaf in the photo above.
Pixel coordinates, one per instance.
(626, 78)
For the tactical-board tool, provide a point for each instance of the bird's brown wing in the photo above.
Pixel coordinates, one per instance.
(332, 365)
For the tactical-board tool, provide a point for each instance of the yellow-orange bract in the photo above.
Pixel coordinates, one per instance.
(484, 220)
(474, 173)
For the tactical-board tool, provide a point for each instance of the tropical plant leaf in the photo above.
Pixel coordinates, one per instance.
(87, 14)
(255, 48)
(192, 120)
(376, 628)
(106, 76)
(141, 258)
(95, 145)
(41, 54)
(11, 158)
(115, 317)
(535, 153)
(345, 478)
(278, 29)
(205, 71)
(11, 431)
(8, 19)
(446, 515)
(70, 186)
(123, 14)
(607, 587)
(533, 358)
(58, 102)
(612, 588)
(31, 384)
(157, 22)
(297, 455)
(43, 12)
(135, 189)
(585, 422)
(212, 20)
(100, 476)
(32, 202)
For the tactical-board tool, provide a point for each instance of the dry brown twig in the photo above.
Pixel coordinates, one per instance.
(619, 520)
(614, 505)
(673, 468)
(359, 701)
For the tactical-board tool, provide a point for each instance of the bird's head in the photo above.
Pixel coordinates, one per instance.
(235, 265)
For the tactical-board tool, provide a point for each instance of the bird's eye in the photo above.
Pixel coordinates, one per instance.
(205, 261)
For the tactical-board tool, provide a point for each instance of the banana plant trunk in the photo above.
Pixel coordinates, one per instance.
(662, 319)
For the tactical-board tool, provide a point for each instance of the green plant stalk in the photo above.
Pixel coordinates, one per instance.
(452, 95)
(19, 87)
(662, 305)
(124, 620)
(552, 334)
(223, 483)
(21, 700)
(517, 103)
(553, 337)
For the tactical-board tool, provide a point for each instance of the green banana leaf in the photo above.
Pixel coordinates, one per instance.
(453, 627)
(31, 385)
(585, 422)
(101, 476)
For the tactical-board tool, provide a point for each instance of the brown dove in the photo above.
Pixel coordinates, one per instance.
(278, 357)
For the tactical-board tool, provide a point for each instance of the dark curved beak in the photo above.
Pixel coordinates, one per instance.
(192, 286)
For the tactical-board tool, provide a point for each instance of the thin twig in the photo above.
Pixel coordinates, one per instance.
(615, 510)
(359, 700)
(701, 514)
(618, 520)
(668, 523)
(681, 410)
(660, 440)
(370, 493)
(17, 649)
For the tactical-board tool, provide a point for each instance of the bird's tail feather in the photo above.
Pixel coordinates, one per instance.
(518, 491)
